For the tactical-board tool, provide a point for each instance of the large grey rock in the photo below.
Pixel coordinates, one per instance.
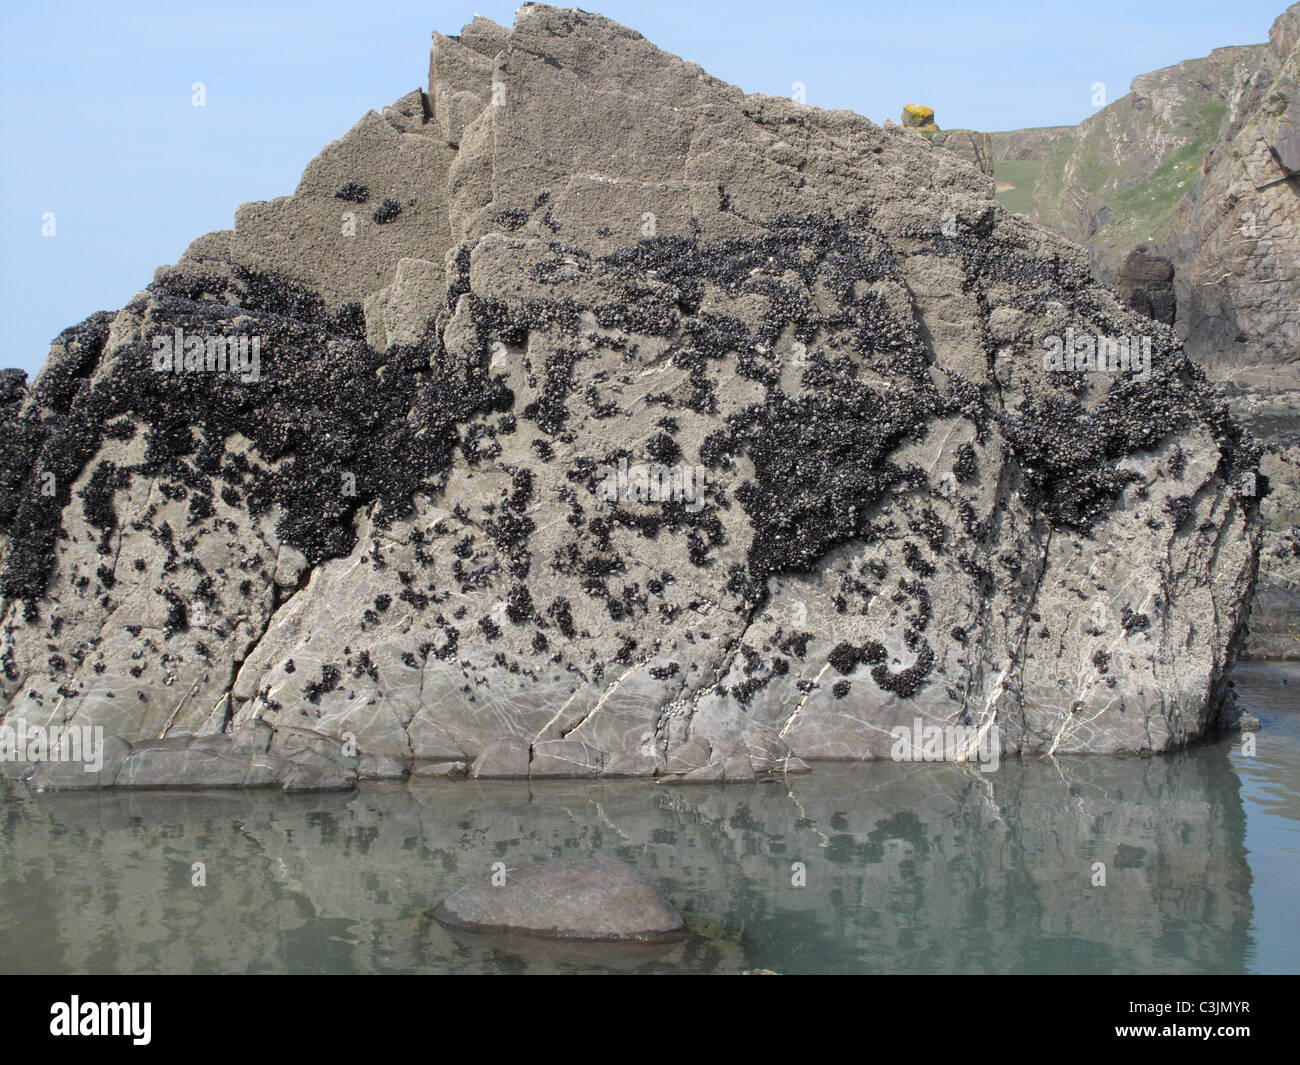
(689, 756)
(81, 775)
(219, 762)
(384, 767)
(726, 423)
(644, 761)
(180, 763)
(598, 899)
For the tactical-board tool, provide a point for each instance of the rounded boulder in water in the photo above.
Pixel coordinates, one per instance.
(597, 899)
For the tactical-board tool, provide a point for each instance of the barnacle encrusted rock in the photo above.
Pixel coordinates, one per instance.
(607, 420)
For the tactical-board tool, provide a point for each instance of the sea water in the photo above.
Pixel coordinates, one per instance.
(1186, 863)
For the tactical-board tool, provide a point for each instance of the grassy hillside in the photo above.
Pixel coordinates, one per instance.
(1117, 179)
(1022, 173)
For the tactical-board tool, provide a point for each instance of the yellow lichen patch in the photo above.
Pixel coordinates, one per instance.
(916, 116)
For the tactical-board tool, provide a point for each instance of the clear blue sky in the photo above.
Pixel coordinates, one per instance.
(98, 127)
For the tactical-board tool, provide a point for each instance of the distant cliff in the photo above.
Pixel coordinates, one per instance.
(1235, 236)
(1200, 161)
(1117, 178)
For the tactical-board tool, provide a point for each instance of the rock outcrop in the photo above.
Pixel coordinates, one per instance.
(1198, 163)
(1275, 614)
(975, 147)
(1145, 283)
(918, 116)
(583, 415)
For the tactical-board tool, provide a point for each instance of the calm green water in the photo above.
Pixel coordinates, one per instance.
(910, 868)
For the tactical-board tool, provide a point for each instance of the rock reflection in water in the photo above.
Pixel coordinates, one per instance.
(909, 868)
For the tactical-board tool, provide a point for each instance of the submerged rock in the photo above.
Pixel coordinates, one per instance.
(662, 430)
(599, 899)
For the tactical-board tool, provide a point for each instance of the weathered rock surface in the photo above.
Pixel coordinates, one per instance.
(974, 146)
(598, 899)
(1199, 162)
(1145, 283)
(201, 762)
(851, 495)
(505, 757)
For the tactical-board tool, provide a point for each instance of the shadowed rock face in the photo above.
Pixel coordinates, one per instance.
(1145, 283)
(606, 420)
(1275, 611)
